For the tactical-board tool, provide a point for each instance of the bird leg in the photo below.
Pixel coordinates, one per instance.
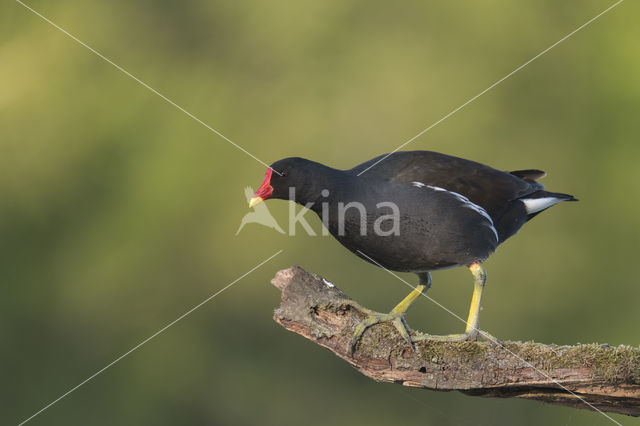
(471, 331)
(480, 278)
(396, 316)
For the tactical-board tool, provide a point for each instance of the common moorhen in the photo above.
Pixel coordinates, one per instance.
(416, 211)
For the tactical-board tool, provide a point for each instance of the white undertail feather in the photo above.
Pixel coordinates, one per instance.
(534, 205)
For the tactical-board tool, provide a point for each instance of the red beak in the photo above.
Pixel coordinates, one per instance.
(264, 191)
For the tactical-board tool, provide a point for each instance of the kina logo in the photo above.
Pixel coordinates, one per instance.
(260, 214)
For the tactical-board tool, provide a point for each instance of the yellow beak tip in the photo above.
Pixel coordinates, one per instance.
(254, 201)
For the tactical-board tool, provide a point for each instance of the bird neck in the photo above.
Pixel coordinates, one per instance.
(320, 183)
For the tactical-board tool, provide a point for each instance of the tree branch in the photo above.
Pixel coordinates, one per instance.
(597, 376)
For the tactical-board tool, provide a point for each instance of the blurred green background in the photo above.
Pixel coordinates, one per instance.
(119, 213)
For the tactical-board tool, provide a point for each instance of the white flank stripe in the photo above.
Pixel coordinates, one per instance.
(466, 203)
(534, 205)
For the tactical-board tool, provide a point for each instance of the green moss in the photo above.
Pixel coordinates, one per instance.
(612, 364)
(608, 363)
(461, 352)
(382, 341)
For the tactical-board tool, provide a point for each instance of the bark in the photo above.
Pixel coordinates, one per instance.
(590, 376)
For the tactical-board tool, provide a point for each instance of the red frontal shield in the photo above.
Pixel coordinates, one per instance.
(264, 191)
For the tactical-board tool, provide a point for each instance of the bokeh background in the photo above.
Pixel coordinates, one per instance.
(118, 212)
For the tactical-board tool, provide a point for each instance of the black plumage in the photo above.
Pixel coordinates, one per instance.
(436, 229)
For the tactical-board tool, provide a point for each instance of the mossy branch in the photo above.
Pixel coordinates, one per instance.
(582, 376)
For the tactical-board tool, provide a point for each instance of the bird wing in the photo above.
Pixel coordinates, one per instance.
(488, 187)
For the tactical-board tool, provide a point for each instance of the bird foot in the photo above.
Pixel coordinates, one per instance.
(396, 319)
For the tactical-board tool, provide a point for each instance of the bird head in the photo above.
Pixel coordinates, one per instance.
(293, 172)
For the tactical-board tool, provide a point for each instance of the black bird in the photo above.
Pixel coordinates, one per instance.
(415, 211)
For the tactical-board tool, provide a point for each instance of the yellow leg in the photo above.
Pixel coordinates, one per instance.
(396, 316)
(480, 277)
(404, 305)
(471, 331)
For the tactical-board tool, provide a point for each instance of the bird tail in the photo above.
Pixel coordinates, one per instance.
(529, 174)
(539, 201)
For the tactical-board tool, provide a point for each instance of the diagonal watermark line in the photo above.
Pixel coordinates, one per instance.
(149, 338)
(494, 341)
(493, 85)
(128, 74)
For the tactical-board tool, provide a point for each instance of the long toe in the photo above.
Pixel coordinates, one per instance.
(361, 328)
(375, 318)
(462, 337)
(401, 325)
